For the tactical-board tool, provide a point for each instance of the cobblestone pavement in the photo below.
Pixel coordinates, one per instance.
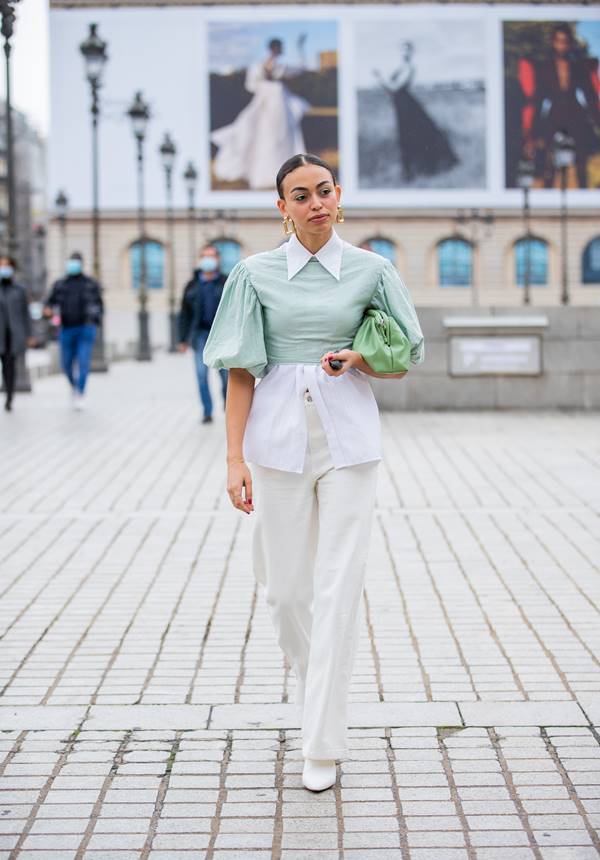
(146, 711)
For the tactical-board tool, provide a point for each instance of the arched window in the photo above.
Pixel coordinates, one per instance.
(591, 262)
(155, 264)
(455, 263)
(381, 246)
(230, 251)
(533, 253)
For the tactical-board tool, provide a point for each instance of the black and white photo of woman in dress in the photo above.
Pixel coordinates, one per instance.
(421, 103)
(423, 147)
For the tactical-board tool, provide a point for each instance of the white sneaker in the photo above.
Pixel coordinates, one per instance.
(318, 774)
(80, 402)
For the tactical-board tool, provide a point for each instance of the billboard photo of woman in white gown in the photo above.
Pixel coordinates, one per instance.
(276, 99)
(268, 131)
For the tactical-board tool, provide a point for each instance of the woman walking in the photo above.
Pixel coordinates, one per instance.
(15, 327)
(311, 433)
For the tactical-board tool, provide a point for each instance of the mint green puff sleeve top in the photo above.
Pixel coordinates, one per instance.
(266, 318)
(238, 339)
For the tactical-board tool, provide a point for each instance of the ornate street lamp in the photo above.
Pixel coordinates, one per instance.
(7, 11)
(525, 175)
(7, 28)
(168, 151)
(61, 204)
(190, 177)
(94, 54)
(139, 114)
(564, 157)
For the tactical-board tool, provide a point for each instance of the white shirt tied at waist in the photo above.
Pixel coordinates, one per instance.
(276, 433)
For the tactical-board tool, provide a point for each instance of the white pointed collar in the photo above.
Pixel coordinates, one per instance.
(329, 256)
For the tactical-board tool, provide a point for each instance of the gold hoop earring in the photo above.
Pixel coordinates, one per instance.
(288, 226)
(340, 215)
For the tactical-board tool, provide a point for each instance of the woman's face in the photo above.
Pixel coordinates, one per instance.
(561, 43)
(310, 199)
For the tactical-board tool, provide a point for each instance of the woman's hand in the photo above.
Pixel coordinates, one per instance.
(354, 359)
(239, 486)
(349, 357)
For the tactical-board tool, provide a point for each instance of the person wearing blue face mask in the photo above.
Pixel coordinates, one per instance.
(78, 299)
(15, 326)
(199, 304)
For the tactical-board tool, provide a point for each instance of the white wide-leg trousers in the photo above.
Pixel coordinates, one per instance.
(311, 541)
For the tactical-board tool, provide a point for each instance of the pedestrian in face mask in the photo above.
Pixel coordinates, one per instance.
(199, 305)
(15, 326)
(78, 299)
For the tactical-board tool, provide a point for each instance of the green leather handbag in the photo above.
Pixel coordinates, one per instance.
(382, 343)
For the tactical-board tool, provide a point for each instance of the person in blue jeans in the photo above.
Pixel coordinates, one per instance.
(199, 304)
(78, 299)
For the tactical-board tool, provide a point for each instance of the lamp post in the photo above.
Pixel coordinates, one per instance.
(61, 204)
(474, 220)
(168, 151)
(190, 177)
(564, 157)
(139, 114)
(94, 54)
(7, 11)
(525, 176)
(7, 28)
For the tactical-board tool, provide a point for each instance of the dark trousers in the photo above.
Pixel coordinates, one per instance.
(9, 374)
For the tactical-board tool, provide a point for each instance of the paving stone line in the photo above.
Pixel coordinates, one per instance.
(106, 785)
(391, 759)
(411, 632)
(514, 795)
(279, 786)
(211, 617)
(242, 670)
(160, 798)
(221, 798)
(455, 795)
(567, 782)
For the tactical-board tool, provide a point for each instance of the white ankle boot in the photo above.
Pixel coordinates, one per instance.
(318, 774)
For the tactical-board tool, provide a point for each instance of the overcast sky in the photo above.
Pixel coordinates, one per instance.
(30, 90)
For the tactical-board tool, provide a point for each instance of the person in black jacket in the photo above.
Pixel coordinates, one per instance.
(79, 301)
(15, 326)
(199, 305)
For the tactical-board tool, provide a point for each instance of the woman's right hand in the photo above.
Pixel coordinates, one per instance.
(239, 486)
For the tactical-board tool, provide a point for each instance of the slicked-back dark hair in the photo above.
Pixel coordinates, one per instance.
(298, 161)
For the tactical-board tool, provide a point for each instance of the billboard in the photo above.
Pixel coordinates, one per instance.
(421, 91)
(414, 105)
